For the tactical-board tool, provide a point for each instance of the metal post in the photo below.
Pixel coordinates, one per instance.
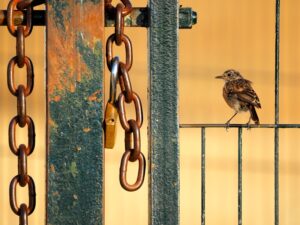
(163, 114)
(74, 112)
(276, 135)
(203, 184)
(240, 176)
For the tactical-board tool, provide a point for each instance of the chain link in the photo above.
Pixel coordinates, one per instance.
(128, 51)
(131, 127)
(21, 119)
(25, 3)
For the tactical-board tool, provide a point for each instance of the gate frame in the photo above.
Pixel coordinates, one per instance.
(74, 88)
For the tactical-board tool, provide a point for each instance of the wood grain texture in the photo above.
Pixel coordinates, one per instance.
(74, 112)
(163, 115)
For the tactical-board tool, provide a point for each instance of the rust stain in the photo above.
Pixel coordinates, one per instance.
(86, 130)
(52, 123)
(65, 66)
(94, 97)
(57, 98)
(52, 168)
(78, 149)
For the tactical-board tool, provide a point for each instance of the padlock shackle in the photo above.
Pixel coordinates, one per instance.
(113, 79)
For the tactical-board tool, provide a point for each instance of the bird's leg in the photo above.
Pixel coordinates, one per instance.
(228, 122)
(248, 124)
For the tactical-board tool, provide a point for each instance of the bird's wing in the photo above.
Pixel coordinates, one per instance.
(245, 92)
(250, 97)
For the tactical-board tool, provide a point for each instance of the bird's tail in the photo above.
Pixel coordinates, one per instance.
(254, 116)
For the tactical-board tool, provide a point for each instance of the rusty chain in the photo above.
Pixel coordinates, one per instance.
(21, 92)
(132, 126)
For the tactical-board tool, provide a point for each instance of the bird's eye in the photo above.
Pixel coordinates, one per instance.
(229, 74)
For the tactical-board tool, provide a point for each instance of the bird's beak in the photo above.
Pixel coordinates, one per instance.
(219, 77)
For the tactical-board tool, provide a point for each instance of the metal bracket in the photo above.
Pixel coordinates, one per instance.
(139, 17)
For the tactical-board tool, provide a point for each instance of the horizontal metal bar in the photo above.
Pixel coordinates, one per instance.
(19, 17)
(222, 125)
(139, 17)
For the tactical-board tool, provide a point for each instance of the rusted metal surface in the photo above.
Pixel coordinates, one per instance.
(74, 112)
(139, 17)
(38, 18)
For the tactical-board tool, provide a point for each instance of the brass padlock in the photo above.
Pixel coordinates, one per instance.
(111, 111)
(110, 121)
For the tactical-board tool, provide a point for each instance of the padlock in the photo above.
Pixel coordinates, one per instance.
(110, 125)
(111, 111)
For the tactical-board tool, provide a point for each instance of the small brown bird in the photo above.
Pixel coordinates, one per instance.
(239, 95)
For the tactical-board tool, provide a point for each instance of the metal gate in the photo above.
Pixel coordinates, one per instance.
(276, 127)
(75, 107)
(75, 70)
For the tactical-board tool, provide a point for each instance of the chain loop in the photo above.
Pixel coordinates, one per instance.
(25, 3)
(20, 47)
(133, 141)
(119, 28)
(23, 214)
(11, 76)
(21, 106)
(123, 172)
(10, 18)
(12, 136)
(125, 83)
(13, 195)
(22, 166)
(122, 111)
(126, 9)
(128, 48)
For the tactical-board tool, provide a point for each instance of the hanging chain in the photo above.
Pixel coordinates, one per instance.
(21, 92)
(131, 127)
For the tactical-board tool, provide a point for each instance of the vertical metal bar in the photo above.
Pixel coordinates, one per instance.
(74, 112)
(240, 176)
(163, 114)
(276, 138)
(203, 143)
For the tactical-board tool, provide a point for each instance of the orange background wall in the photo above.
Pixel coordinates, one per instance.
(229, 34)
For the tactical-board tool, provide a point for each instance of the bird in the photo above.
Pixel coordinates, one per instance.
(239, 95)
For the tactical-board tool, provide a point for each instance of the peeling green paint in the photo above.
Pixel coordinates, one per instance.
(90, 56)
(72, 114)
(61, 13)
(75, 150)
(73, 169)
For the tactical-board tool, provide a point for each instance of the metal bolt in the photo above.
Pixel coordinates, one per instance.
(194, 17)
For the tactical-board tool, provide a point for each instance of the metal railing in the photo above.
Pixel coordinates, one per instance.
(276, 126)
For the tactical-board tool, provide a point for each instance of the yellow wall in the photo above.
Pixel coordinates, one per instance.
(229, 34)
